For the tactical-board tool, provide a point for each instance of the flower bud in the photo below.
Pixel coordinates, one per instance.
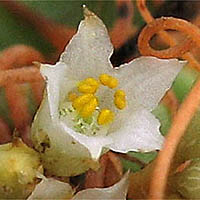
(187, 181)
(18, 169)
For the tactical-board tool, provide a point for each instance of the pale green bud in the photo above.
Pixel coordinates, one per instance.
(187, 182)
(19, 165)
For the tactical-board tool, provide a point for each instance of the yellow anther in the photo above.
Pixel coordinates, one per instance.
(85, 88)
(88, 85)
(104, 79)
(120, 99)
(72, 96)
(109, 81)
(92, 81)
(80, 101)
(106, 116)
(113, 83)
(89, 108)
(120, 93)
(120, 102)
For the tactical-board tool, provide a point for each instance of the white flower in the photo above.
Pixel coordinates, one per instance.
(50, 188)
(111, 110)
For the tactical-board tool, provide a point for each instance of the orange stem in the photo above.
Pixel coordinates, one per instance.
(179, 125)
(22, 75)
(18, 105)
(18, 56)
(11, 73)
(123, 28)
(171, 102)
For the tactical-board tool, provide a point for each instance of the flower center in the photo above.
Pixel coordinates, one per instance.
(82, 106)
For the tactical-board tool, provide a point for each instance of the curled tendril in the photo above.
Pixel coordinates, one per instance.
(168, 23)
(141, 4)
(164, 35)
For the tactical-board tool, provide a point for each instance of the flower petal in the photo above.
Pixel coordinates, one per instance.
(117, 191)
(51, 189)
(140, 132)
(61, 149)
(89, 51)
(93, 143)
(149, 78)
(54, 77)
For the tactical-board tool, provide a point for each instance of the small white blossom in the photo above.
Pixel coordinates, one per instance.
(50, 188)
(81, 118)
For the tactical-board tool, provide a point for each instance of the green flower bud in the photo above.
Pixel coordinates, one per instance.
(187, 182)
(18, 170)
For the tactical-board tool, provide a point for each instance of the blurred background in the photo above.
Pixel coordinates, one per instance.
(42, 24)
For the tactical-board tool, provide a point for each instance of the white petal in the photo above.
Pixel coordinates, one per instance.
(63, 148)
(88, 52)
(93, 143)
(139, 132)
(51, 189)
(117, 191)
(148, 78)
(54, 76)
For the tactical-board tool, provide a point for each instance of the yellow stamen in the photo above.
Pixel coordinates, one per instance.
(120, 93)
(88, 85)
(92, 81)
(79, 102)
(89, 108)
(120, 99)
(109, 81)
(72, 96)
(106, 116)
(104, 79)
(120, 103)
(113, 83)
(85, 88)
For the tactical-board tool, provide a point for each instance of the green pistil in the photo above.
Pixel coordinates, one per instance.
(66, 110)
(87, 126)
